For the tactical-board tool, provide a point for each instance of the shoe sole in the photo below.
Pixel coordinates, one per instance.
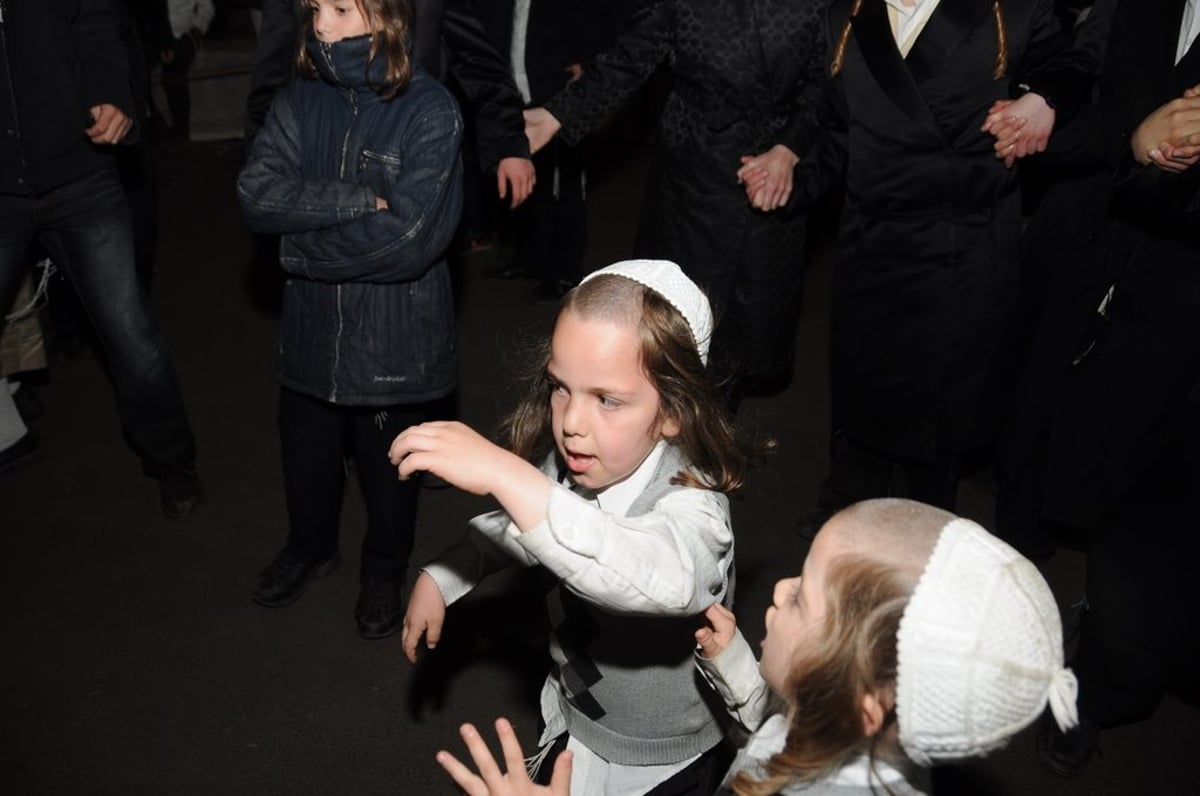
(326, 568)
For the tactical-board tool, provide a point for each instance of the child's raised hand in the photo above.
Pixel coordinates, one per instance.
(452, 450)
(491, 781)
(714, 638)
(425, 616)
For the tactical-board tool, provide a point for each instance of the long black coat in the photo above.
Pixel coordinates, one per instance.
(1114, 413)
(926, 277)
(746, 77)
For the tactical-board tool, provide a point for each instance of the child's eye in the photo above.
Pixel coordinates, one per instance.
(608, 402)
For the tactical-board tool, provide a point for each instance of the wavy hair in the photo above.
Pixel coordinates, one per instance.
(389, 23)
(669, 358)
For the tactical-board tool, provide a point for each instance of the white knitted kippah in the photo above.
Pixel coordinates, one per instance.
(667, 280)
(979, 651)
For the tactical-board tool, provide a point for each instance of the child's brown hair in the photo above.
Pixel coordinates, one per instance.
(390, 25)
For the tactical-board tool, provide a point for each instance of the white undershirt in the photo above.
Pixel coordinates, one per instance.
(1187, 30)
(516, 48)
(909, 20)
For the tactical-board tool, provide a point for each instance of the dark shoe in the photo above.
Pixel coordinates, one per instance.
(380, 608)
(24, 451)
(1066, 754)
(182, 492)
(28, 403)
(285, 578)
(512, 270)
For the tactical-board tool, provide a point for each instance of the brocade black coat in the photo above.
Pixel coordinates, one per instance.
(746, 77)
(926, 275)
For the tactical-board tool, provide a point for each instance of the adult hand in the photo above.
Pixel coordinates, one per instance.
(714, 638)
(540, 127)
(109, 124)
(768, 177)
(1021, 127)
(1170, 136)
(491, 781)
(515, 177)
(425, 616)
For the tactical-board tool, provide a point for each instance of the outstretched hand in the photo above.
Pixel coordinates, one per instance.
(452, 450)
(715, 637)
(491, 781)
(767, 177)
(461, 456)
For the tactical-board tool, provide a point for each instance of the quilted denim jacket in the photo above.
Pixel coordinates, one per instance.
(367, 316)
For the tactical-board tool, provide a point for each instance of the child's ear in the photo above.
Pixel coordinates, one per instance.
(669, 428)
(873, 714)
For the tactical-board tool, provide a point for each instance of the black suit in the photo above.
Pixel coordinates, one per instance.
(1121, 449)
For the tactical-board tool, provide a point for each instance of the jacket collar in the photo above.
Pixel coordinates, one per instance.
(344, 63)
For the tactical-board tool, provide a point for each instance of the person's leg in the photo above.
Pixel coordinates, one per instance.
(391, 516)
(86, 228)
(312, 436)
(175, 86)
(569, 219)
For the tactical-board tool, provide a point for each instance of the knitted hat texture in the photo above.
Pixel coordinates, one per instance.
(667, 280)
(979, 650)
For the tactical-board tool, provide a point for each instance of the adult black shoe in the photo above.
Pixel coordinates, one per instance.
(1066, 754)
(182, 491)
(28, 403)
(380, 608)
(24, 451)
(284, 579)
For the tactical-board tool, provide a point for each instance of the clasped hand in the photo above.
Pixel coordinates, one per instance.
(767, 177)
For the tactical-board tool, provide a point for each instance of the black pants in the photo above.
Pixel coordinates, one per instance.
(550, 229)
(317, 437)
(1139, 637)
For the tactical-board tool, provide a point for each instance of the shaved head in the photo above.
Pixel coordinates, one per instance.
(899, 533)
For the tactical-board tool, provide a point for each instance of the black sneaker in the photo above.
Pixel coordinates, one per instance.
(380, 608)
(182, 492)
(284, 579)
(1066, 754)
(22, 452)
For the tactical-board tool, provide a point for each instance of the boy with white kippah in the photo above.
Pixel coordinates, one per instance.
(912, 637)
(620, 457)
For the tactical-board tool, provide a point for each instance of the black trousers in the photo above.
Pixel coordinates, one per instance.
(318, 438)
(1141, 634)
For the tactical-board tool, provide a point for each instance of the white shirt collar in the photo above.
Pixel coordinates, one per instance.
(1187, 29)
(617, 498)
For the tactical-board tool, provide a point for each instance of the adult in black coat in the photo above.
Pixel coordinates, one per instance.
(550, 45)
(447, 40)
(926, 275)
(746, 78)
(1120, 451)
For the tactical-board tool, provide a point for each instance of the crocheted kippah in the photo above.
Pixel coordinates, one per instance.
(668, 280)
(979, 650)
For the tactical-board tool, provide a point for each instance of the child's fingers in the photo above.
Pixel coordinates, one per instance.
(719, 615)
(410, 636)
(466, 779)
(484, 761)
(514, 757)
(560, 780)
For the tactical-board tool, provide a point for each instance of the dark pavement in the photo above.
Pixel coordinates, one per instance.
(134, 662)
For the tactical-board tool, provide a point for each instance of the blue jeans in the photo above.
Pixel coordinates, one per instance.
(86, 229)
